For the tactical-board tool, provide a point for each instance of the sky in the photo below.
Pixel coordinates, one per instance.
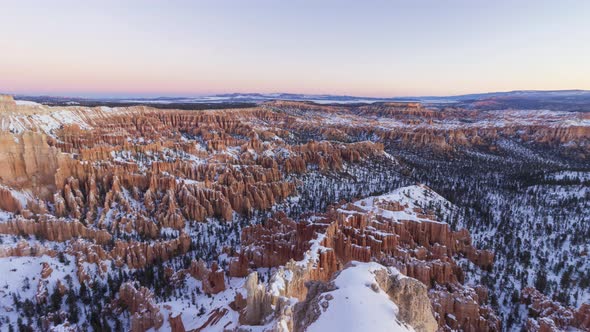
(364, 48)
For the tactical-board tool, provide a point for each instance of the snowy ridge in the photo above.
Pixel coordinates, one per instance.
(44, 118)
(358, 304)
(410, 199)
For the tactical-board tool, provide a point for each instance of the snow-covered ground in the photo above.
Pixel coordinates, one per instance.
(410, 197)
(189, 305)
(21, 279)
(358, 304)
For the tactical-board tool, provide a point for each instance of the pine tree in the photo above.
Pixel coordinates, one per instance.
(55, 300)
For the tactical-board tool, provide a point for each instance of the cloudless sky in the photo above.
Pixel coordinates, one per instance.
(368, 48)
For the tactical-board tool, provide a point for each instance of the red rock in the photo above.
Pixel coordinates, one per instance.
(551, 315)
(176, 324)
(46, 270)
(213, 280)
(238, 266)
(140, 303)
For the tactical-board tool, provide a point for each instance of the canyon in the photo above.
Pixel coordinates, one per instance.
(284, 215)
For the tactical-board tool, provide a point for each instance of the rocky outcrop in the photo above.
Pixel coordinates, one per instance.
(273, 243)
(24, 248)
(329, 156)
(8, 202)
(213, 280)
(415, 243)
(7, 104)
(549, 316)
(28, 163)
(46, 270)
(258, 302)
(176, 324)
(53, 229)
(459, 307)
(140, 254)
(145, 314)
(264, 306)
(411, 297)
(238, 266)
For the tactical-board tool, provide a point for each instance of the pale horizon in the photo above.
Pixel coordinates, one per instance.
(377, 49)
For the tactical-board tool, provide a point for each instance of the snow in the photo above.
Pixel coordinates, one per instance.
(26, 103)
(190, 312)
(277, 283)
(312, 255)
(51, 121)
(356, 306)
(14, 272)
(5, 215)
(410, 197)
(47, 119)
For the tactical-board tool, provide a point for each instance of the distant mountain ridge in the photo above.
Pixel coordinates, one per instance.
(562, 100)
